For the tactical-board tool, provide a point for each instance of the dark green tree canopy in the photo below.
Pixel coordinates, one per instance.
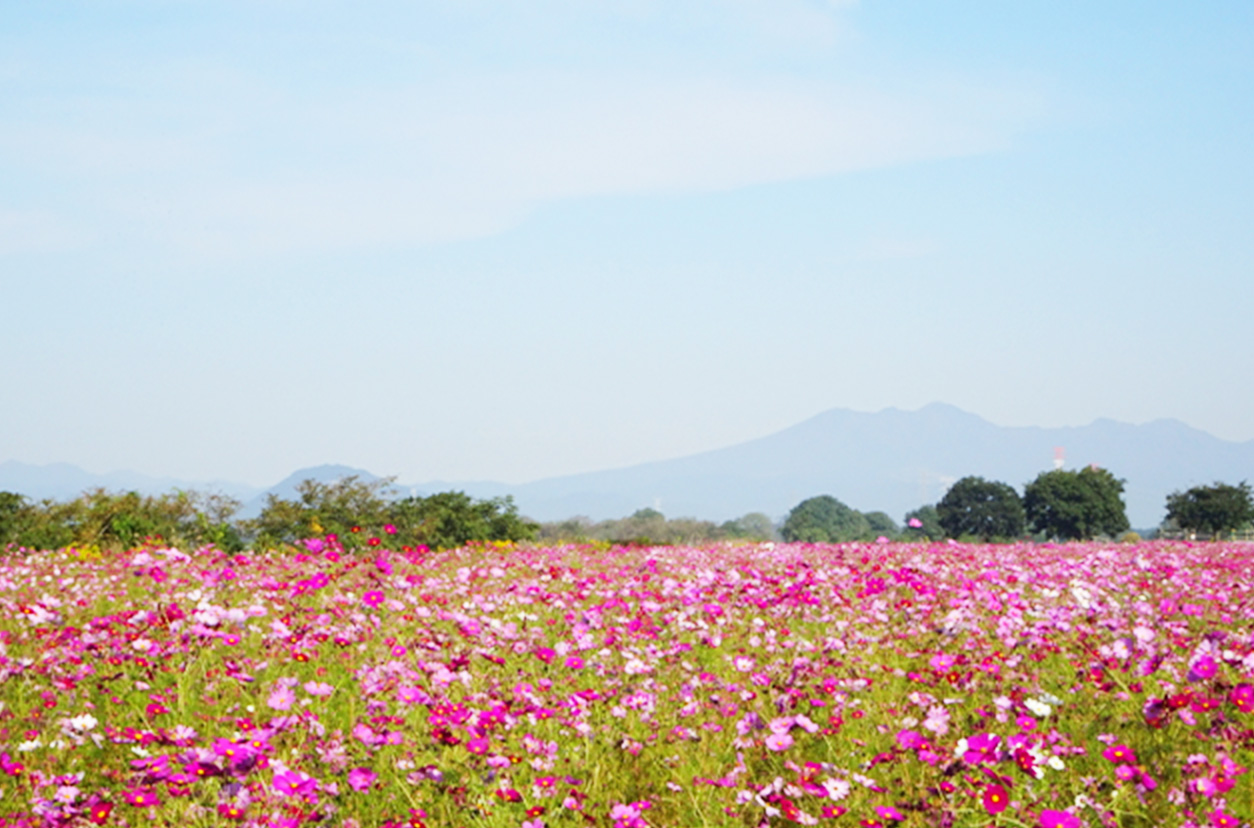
(1213, 509)
(929, 525)
(1076, 505)
(985, 509)
(824, 519)
(451, 519)
(881, 524)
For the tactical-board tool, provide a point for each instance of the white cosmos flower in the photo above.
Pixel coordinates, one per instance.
(82, 723)
(1039, 708)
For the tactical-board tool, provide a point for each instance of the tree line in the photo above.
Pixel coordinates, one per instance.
(1065, 505)
(1058, 504)
(357, 512)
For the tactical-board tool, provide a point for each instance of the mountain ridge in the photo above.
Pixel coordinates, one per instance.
(892, 460)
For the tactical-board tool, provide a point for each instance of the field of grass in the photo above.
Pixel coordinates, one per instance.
(733, 685)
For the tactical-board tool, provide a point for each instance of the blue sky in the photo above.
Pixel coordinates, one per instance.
(504, 240)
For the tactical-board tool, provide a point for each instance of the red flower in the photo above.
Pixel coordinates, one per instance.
(231, 812)
(98, 813)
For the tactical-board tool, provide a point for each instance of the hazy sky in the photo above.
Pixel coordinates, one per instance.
(465, 239)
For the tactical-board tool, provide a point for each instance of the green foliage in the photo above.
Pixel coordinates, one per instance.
(1212, 509)
(12, 507)
(929, 527)
(980, 508)
(451, 519)
(650, 527)
(119, 520)
(1076, 505)
(322, 508)
(881, 524)
(824, 519)
(753, 526)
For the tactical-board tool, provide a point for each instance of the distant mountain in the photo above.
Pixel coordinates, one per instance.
(894, 461)
(62, 481)
(891, 461)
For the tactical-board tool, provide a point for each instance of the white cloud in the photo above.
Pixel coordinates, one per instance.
(443, 162)
(216, 161)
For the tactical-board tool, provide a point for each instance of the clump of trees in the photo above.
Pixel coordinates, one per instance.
(651, 527)
(1076, 505)
(357, 511)
(1213, 510)
(354, 510)
(103, 519)
(984, 509)
(824, 519)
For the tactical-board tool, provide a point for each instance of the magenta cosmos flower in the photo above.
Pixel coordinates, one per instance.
(995, 799)
(292, 783)
(362, 779)
(1242, 697)
(1120, 755)
(1203, 669)
(1059, 819)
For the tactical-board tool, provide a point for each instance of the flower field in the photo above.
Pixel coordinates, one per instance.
(869, 685)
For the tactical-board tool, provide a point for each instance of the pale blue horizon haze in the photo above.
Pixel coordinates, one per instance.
(494, 240)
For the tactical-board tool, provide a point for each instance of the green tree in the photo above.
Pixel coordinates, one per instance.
(923, 523)
(986, 509)
(753, 526)
(322, 508)
(448, 520)
(824, 519)
(1212, 509)
(1076, 505)
(48, 524)
(881, 525)
(12, 508)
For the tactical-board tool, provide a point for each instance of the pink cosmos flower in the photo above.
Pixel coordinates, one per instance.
(889, 812)
(911, 739)
(293, 783)
(373, 598)
(141, 797)
(937, 720)
(1120, 755)
(1059, 819)
(1242, 697)
(281, 697)
(1219, 819)
(1203, 669)
(981, 748)
(779, 742)
(361, 779)
(411, 695)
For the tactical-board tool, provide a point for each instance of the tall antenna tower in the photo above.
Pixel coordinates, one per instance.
(1060, 457)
